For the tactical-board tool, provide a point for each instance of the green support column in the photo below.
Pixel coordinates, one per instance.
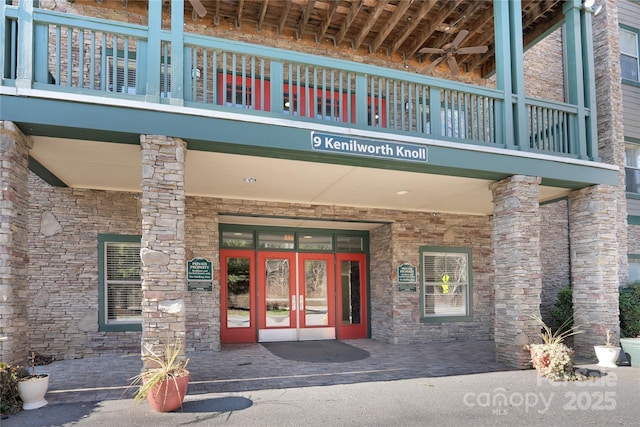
(588, 70)
(517, 76)
(575, 76)
(503, 69)
(25, 36)
(152, 89)
(177, 52)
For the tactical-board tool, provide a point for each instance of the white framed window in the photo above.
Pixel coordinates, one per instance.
(119, 271)
(629, 55)
(446, 284)
(632, 167)
(634, 268)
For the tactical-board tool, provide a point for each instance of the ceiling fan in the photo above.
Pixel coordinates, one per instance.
(449, 51)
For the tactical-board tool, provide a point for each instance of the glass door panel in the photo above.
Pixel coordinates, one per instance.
(237, 296)
(352, 302)
(316, 290)
(277, 293)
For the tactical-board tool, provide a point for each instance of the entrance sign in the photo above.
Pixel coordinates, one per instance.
(407, 278)
(199, 275)
(368, 147)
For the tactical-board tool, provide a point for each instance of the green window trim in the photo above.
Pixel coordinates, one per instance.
(441, 289)
(103, 324)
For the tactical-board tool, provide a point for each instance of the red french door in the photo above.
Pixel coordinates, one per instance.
(351, 296)
(237, 294)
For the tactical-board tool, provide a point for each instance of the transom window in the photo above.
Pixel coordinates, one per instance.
(629, 63)
(632, 167)
(120, 287)
(446, 284)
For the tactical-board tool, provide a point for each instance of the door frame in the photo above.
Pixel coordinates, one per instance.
(237, 335)
(351, 331)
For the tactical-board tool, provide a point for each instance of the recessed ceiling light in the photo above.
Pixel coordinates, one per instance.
(249, 179)
(402, 192)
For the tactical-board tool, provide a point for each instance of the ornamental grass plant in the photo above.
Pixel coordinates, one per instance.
(552, 358)
(164, 367)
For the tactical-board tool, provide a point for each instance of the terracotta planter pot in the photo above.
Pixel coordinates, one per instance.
(166, 397)
(32, 392)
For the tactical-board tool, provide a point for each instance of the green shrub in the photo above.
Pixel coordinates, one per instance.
(630, 310)
(10, 402)
(562, 313)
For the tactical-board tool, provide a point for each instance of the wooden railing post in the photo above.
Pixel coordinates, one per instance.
(24, 75)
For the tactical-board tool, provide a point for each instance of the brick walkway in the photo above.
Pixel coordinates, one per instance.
(243, 367)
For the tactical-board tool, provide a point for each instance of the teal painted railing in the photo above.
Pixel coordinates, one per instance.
(98, 57)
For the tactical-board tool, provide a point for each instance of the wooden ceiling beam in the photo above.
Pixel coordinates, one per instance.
(421, 39)
(370, 22)
(305, 18)
(327, 21)
(415, 21)
(397, 15)
(263, 12)
(353, 11)
(283, 17)
(239, 15)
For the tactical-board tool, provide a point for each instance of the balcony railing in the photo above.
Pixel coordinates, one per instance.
(111, 59)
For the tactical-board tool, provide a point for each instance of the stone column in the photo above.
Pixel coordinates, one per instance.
(606, 46)
(594, 265)
(163, 242)
(517, 267)
(14, 201)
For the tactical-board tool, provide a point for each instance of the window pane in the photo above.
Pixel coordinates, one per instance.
(238, 293)
(629, 67)
(628, 43)
(445, 286)
(316, 296)
(350, 243)
(123, 299)
(315, 243)
(634, 270)
(632, 155)
(276, 241)
(350, 288)
(237, 239)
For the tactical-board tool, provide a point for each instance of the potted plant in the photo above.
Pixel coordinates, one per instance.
(552, 358)
(32, 387)
(10, 402)
(630, 322)
(164, 383)
(608, 353)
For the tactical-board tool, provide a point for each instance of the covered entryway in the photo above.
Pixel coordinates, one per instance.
(293, 285)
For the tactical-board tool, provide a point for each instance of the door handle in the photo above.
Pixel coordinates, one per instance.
(301, 302)
(293, 303)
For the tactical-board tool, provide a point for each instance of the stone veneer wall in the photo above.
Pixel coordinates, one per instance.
(14, 258)
(63, 281)
(64, 224)
(554, 254)
(203, 307)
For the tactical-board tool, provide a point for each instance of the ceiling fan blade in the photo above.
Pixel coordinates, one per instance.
(430, 50)
(453, 65)
(472, 49)
(198, 7)
(435, 63)
(461, 35)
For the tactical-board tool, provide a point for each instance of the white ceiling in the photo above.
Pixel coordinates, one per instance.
(105, 166)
